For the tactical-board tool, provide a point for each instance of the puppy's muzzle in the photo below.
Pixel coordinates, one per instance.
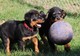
(39, 21)
(57, 18)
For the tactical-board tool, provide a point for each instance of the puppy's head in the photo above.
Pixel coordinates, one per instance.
(34, 18)
(56, 14)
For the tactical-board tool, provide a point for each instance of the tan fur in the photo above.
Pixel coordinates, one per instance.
(67, 45)
(35, 41)
(8, 47)
(34, 23)
(28, 38)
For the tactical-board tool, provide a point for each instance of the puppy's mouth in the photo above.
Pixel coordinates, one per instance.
(38, 25)
(56, 19)
(39, 22)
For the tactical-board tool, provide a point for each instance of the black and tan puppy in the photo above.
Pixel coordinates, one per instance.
(20, 31)
(54, 14)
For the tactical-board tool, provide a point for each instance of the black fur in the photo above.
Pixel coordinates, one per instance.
(15, 30)
(54, 14)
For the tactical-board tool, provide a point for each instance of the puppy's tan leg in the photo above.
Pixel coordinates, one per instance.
(67, 47)
(35, 41)
(7, 47)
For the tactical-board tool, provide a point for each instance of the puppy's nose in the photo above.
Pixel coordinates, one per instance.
(58, 17)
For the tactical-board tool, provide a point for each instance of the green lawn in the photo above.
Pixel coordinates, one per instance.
(15, 9)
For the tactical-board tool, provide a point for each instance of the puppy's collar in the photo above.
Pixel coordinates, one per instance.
(28, 27)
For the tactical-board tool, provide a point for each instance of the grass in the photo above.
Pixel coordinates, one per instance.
(15, 9)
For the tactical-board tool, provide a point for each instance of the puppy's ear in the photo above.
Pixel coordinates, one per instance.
(42, 14)
(63, 14)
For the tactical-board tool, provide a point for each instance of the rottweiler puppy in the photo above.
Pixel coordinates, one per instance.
(54, 14)
(19, 31)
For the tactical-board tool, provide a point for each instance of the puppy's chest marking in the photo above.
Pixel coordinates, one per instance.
(29, 37)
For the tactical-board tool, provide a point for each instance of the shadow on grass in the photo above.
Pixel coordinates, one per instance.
(22, 2)
(1, 45)
(75, 15)
(45, 50)
(29, 5)
(36, 7)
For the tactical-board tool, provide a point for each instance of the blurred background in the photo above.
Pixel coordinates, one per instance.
(17, 8)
